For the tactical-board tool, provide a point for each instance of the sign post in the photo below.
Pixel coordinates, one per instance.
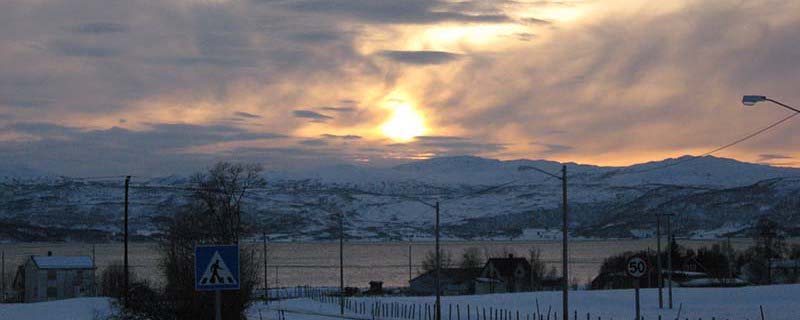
(216, 268)
(636, 267)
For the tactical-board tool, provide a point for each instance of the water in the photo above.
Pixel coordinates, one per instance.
(317, 264)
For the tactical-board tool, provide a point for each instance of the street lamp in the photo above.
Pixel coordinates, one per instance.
(564, 235)
(751, 100)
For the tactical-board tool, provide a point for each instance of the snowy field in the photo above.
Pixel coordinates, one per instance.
(780, 302)
(70, 309)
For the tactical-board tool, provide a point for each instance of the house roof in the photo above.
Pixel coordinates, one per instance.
(506, 266)
(63, 262)
(456, 275)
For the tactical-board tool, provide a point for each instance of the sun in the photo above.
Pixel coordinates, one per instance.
(405, 123)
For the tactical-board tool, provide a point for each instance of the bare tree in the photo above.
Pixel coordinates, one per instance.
(213, 215)
(429, 262)
(538, 268)
(471, 258)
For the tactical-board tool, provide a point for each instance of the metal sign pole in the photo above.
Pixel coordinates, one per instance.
(636, 268)
(638, 313)
(217, 305)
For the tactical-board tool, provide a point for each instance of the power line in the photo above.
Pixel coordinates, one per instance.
(723, 147)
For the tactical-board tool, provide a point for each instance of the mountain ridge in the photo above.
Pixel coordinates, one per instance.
(481, 199)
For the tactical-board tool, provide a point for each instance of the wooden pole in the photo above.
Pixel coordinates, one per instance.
(266, 271)
(658, 263)
(438, 307)
(127, 277)
(564, 244)
(341, 263)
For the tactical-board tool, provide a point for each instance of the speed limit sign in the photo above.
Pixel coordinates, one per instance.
(636, 267)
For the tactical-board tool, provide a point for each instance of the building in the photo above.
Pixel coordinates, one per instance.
(44, 278)
(680, 278)
(785, 271)
(513, 273)
(488, 285)
(454, 281)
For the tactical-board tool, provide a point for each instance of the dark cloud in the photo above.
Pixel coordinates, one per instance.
(24, 103)
(313, 115)
(535, 21)
(772, 157)
(157, 150)
(101, 28)
(343, 137)
(421, 57)
(315, 36)
(159, 136)
(314, 142)
(549, 148)
(338, 109)
(440, 138)
(71, 49)
(524, 36)
(246, 115)
(390, 11)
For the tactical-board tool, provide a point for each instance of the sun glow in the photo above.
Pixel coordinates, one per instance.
(405, 123)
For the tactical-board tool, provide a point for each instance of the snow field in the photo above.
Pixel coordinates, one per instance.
(779, 302)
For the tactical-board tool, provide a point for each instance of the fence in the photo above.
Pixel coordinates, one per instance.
(375, 309)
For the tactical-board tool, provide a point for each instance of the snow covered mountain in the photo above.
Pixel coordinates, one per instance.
(479, 198)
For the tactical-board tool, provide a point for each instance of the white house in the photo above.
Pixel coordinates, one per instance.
(51, 277)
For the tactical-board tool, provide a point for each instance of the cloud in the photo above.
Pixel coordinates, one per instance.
(315, 36)
(550, 148)
(101, 28)
(24, 103)
(314, 142)
(420, 57)
(246, 115)
(634, 81)
(71, 49)
(338, 109)
(157, 150)
(390, 11)
(535, 21)
(343, 137)
(313, 115)
(772, 157)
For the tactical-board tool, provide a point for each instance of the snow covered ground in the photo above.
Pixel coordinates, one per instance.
(779, 302)
(98, 308)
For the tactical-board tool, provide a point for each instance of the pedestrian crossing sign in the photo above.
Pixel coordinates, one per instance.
(216, 267)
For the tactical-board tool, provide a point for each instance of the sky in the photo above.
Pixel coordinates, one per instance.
(96, 87)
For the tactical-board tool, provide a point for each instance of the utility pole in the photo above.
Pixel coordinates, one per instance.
(669, 256)
(266, 284)
(94, 279)
(127, 296)
(438, 269)
(564, 245)
(341, 263)
(564, 235)
(3, 277)
(658, 263)
(409, 260)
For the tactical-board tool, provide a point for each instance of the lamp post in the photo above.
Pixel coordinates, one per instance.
(751, 100)
(564, 236)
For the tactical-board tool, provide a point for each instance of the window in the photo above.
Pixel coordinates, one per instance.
(78, 278)
(51, 275)
(52, 292)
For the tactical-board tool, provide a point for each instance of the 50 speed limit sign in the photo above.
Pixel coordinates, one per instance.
(636, 267)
